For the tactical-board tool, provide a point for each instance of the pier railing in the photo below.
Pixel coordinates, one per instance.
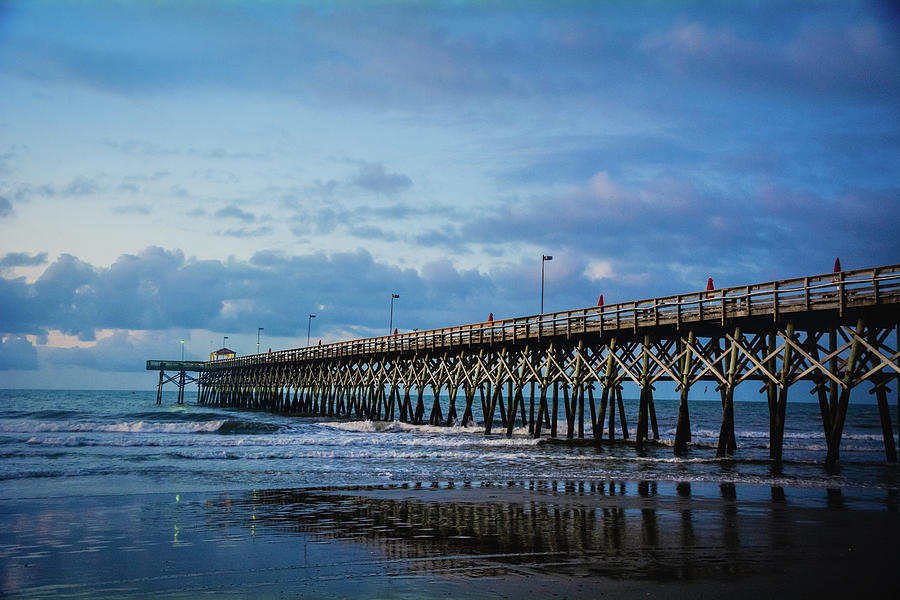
(840, 292)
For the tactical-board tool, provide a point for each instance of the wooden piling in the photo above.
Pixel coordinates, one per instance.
(683, 425)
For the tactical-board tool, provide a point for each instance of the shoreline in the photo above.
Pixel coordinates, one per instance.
(447, 539)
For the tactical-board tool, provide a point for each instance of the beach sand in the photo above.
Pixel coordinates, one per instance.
(538, 539)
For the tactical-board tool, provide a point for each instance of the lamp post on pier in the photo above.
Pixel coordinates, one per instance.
(308, 327)
(258, 331)
(391, 325)
(544, 258)
(182, 350)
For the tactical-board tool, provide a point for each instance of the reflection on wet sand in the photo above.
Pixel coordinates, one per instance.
(458, 539)
(601, 529)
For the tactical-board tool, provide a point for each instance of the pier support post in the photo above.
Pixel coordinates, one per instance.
(727, 443)
(621, 402)
(605, 396)
(683, 427)
(555, 413)
(590, 391)
(159, 388)
(181, 388)
(451, 409)
(778, 403)
(544, 383)
(884, 412)
(643, 406)
(839, 411)
(531, 409)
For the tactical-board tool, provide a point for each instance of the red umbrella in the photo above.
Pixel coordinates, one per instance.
(600, 301)
(709, 285)
(395, 331)
(837, 265)
(491, 318)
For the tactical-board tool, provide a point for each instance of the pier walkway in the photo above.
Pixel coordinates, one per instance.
(836, 331)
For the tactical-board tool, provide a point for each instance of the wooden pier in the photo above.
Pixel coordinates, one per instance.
(836, 331)
(181, 377)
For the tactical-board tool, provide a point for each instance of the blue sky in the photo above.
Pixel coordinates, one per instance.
(194, 170)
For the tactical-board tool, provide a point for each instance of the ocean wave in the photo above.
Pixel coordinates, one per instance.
(221, 426)
(436, 435)
(456, 457)
(179, 415)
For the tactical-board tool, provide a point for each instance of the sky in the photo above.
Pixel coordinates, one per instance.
(196, 169)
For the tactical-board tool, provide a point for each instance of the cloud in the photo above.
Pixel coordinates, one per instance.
(599, 269)
(233, 212)
(140, 147)
(5, 207)
(159, 290)
(81, 186)
(846, 56)
(5, 160)
(859, 56)
(26, 192)
(17, 353)
(663, 225)
(322, 189)
(244, 232)
(375, 178)
(132, 209)
(371, 232)
(23, 259)
(122, 351)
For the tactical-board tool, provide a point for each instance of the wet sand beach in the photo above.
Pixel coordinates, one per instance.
(536, 538)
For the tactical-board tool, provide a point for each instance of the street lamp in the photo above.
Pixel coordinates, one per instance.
(224, 337)
(182, 350)
(258, 331)
(391, 326)
(308, 326)
(544, 259)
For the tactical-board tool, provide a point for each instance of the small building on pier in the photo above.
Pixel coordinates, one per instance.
(222, 354)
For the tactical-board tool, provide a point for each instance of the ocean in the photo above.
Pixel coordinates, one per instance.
(63, 443)
(169, 480)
